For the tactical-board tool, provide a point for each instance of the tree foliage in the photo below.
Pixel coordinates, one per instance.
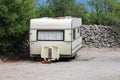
(14, 16)
(105, 12)
(62, 8)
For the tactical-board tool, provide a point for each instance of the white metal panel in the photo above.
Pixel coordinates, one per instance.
(33, 35)
(34, 48)
(76, 22)
(76, 44)
(50, 23)
(68, 35)
(64, 48)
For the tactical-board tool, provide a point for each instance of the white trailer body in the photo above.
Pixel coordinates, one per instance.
(55, 37)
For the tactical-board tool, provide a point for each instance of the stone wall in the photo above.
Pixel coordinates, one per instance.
(100, 36)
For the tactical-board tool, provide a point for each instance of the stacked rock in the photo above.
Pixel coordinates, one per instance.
(100, 36)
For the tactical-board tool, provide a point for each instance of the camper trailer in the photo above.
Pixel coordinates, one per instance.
(55, 38)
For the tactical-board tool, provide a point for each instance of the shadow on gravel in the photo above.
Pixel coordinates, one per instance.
(85, 59)
(16, 58)
(65, 60)
(54, 61)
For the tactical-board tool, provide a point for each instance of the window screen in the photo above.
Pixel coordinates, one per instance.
(50, 35)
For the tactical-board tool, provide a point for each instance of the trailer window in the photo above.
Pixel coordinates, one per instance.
(50, 35)
(74, 33)
(78, 30)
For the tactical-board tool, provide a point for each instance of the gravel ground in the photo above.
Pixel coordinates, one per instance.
(90, 64)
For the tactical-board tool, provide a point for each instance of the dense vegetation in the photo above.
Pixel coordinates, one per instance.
(15, 16)
(14, 22)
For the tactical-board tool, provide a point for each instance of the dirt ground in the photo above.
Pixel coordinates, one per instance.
(90, 64)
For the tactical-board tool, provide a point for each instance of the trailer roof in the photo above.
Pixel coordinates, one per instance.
(53, 23)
